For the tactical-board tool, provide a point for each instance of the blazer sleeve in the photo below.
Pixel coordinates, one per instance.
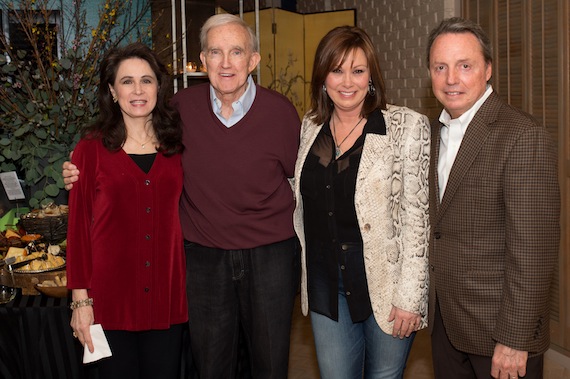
(412, 290)
(532, 203)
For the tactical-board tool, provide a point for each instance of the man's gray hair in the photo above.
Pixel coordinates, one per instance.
(225, 19)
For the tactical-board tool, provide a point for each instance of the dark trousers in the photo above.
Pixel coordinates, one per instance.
(448, 362)
(253, 289)
(143, 355)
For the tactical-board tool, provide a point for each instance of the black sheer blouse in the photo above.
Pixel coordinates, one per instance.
(335, 261)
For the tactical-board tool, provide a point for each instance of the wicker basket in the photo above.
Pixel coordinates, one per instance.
(52, 228)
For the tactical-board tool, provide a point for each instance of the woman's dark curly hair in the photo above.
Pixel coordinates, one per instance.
(110, 126)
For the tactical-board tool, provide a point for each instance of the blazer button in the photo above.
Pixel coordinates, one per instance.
(437, 235)
(432, 267)
(344, 247)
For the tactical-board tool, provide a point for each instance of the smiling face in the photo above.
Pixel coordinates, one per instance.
(229, 59)
(136, 88)
(347, 85)
(458, 71)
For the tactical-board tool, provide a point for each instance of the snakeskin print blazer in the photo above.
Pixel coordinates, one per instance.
(391, 201)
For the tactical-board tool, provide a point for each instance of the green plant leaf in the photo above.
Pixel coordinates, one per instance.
(65, 63)
(7, 153)
(52, 190)
(9, 68)
(34, 203)
(21, 131)
(41, 133)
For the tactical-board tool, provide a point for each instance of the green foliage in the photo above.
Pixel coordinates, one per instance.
(47, 96)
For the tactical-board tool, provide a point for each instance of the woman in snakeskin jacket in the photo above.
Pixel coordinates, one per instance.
(361, 184)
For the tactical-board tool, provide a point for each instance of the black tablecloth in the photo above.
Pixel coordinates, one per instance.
(36, 340)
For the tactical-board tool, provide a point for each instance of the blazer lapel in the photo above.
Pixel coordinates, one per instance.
(474, 139)
(308, 134)
(375, 145)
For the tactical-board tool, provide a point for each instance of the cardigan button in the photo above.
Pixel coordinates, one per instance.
(147, 209)
(367, 227)
(147, 264)
(147, 182)
(146, 289)
(147, 237)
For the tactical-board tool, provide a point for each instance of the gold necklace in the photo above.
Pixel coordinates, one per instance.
(143, 145)
(337, 150)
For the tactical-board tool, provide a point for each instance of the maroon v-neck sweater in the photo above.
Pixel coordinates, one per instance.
(236, 193)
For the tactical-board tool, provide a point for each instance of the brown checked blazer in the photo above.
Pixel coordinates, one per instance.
(495, 235)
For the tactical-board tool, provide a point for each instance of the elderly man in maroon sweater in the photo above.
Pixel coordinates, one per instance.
(242, 255)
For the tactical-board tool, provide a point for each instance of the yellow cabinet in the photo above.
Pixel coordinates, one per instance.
(288, 41)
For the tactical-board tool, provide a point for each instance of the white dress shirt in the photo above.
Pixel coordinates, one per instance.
(452, 132)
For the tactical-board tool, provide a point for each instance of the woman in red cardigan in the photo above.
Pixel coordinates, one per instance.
(125, 258)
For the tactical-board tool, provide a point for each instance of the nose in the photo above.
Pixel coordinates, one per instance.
(138, 88)
(452, 76)
(226, 60)
(347, 79)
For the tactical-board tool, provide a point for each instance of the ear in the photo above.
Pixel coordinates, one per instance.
(203, 59)
(254, 61)
(112, 90)
(488, 71)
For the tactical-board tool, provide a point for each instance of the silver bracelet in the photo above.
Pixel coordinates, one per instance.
(81, 303)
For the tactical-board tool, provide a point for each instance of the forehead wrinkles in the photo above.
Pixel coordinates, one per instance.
(233, 35)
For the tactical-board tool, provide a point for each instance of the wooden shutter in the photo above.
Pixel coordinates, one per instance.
(531, 71)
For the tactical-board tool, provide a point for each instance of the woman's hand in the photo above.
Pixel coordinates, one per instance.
(81, 319)
(404, 322)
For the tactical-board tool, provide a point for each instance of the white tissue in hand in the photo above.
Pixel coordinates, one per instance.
(100, 345)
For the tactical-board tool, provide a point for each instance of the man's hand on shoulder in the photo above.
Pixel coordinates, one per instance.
(508, 363)
(70, 174)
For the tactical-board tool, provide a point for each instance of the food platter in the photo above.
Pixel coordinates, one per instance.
(24, 271)
(52, 291)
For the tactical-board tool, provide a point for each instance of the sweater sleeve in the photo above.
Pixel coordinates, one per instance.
(79, 251)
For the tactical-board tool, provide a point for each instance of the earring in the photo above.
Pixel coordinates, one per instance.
(371, 88)
(324, 89)
(115, 99)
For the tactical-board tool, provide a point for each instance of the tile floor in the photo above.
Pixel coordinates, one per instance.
(303, 362)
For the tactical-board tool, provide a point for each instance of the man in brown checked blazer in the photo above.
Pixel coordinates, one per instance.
(494, 212)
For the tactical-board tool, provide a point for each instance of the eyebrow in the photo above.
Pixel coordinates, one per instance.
(231, 48)
(132, 77)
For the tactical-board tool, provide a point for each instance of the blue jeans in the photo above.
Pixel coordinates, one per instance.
(252, 288)
(347, 350)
